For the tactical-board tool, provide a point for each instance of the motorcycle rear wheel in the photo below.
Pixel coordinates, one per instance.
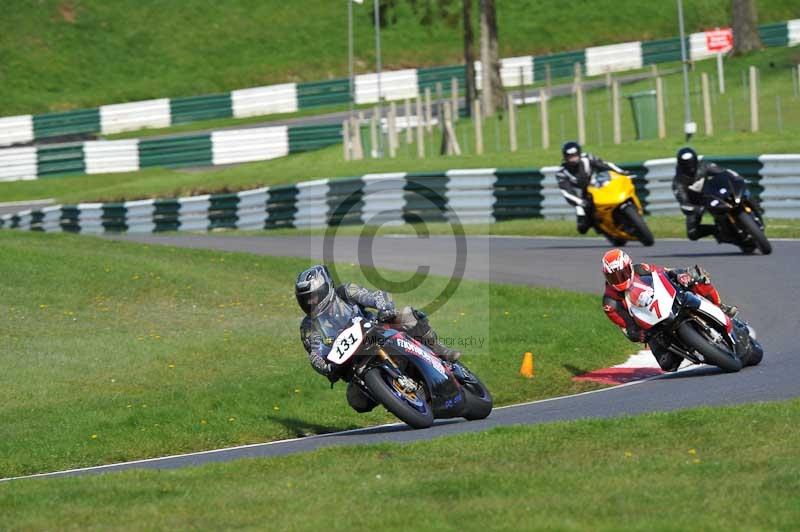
(381, 390)
(640, 226)
(755, 232)
(712, 354)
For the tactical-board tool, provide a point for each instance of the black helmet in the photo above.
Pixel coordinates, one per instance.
(687, 161)
(314, 290)
(571, 151)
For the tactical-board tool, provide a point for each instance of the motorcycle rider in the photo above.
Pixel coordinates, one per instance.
(687, 186)
(577, 172)
(619, 274)
(320, 300)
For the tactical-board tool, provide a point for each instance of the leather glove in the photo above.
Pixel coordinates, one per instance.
(699, 275)
(684, 279)
(387, 315)
(334, 373)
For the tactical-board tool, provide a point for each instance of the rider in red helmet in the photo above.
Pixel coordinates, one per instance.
(620, 271)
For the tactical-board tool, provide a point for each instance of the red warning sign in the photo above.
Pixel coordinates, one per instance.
(719, 40)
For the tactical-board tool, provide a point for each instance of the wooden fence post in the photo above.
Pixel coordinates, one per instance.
(753, 99)
(512, 123)
(707, 120)
(454, 98)
(477, 120)
(407, 109)
(428, 111)
(662, 126)
(346, 139)
(579, 105)
(420, 130)
(544, 95)
(615, 111)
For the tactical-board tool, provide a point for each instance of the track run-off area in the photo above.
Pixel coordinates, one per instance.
(764, 287)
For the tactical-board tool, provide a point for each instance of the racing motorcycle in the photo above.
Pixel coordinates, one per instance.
(689, 325)
(737, 219)
(618, 213)
(404, 375)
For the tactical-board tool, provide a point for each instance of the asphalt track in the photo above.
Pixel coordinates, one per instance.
(765, 288)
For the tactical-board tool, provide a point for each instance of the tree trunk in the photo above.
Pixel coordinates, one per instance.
(469, 55)
(745, 27)
(491, 84)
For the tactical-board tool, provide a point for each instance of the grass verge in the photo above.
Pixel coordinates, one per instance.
(116, 351)
(709, 468)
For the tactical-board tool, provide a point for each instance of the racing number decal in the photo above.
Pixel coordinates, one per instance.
(344, 344)
(654, 308)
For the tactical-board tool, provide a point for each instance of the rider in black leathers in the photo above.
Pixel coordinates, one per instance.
(577, 172)
(320, 298)
(690, 175)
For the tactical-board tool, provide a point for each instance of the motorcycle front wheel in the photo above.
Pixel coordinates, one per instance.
(479, 401)
(640, 228)
(755, 232)
(712, 353)
(411, 408)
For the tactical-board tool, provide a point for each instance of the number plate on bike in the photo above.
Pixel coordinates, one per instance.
(347, 343)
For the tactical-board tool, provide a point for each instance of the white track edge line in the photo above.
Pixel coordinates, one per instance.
(315, 436)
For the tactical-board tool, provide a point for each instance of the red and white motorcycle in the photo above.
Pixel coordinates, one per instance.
(689, 325)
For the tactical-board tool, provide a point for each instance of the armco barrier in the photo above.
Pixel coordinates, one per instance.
(395, 85)
(110, 156)
(481, 195)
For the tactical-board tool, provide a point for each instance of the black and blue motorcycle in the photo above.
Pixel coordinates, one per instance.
(404, 375)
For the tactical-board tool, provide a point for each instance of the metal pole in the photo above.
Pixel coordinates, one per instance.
(350, 52)
(377, 10)
(689, 127)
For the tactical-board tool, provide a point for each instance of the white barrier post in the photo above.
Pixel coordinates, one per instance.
(753, 99)
(709, 125)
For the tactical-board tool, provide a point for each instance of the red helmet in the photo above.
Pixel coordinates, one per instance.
(618, 269)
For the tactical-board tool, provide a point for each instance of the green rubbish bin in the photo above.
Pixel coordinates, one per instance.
(645, 116)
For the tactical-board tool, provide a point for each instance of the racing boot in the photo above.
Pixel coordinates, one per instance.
(731, 310)
(431, 340)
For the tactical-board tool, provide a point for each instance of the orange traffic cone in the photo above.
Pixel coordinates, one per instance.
(526, 369)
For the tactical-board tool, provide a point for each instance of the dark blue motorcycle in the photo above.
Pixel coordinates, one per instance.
(737, 217)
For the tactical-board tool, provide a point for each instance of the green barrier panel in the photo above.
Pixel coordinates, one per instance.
(344, 201)
(165, 215)
(425, 196)
(64, 159)
(562, 65)
(69, 218)
(306, 138)
(37, 218)
(662, 51)
(747, 167)
(222, 211)
(518, 194)
(114, 217)
(195, 108)
(430, 76)
(774, 34)
(281, 206)
(317, 93)
(82, 121)
(191, 150)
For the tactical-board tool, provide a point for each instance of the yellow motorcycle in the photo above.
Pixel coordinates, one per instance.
(617, 211)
